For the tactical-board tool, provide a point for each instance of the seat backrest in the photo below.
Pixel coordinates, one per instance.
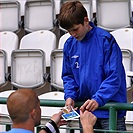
(56, 69)
(43, 39)
(28, 68)
(62, 40)
(113, 14)
(10, 16)
(39, 15)
(53, 95)
(8, 43)
(129, 120)
(124, 38)
(4, 115)
(127, 62)
(3, 67)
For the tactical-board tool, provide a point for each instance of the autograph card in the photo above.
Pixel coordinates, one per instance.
(71, 115)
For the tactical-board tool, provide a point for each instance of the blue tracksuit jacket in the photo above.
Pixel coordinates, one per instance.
(93, 69)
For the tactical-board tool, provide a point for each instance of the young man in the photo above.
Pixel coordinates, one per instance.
(92, 65)
(24, 109)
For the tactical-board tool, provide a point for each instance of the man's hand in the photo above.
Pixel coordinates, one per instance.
(88, 120)
(57, 118)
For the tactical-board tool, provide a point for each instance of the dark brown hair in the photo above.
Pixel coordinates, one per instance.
(71, 13)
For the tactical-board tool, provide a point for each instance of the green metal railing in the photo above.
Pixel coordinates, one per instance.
(112, 107)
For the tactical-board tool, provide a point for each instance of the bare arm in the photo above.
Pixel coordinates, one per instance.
(87, 120)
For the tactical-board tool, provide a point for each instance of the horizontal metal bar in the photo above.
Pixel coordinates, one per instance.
(61, 103)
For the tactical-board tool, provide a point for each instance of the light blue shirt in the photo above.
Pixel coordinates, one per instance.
(18, 130)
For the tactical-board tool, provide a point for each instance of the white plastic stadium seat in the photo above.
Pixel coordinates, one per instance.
(127, 62)
(43, 39)
(10, 17)
(39, 15)
(3, 67)
(28, 68)
(8, 43)
(113, 14)
(129, 120)
(4, 115)
(62, 40)
(124, 38)
(56, 69)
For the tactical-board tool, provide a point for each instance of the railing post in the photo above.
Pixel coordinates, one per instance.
(71, 130)
(112, 118)
(8, 127)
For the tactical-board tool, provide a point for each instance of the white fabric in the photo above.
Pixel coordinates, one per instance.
(50, 127)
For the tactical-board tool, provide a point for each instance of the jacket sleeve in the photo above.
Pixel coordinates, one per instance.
(114, 81)
(70, 86)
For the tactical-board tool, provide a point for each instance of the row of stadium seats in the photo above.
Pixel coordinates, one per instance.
(41, 45)
(38, 44)
(40, 14)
